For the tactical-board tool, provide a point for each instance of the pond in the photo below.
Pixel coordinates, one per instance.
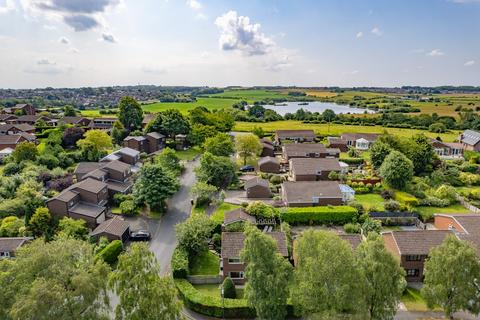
(315, 106)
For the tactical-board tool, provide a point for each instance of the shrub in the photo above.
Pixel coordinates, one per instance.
(229, 288)
(110, 253)
(179, 263)
(406, 199)
(276, 179)
(352, 161)
(15, 206)
(11, 168)
(392, 205)
(434, 202)
(120, 197)
(333, 175)
(446, 192)
(351, 228)
(387, 194)
(262, 210)
(217, 240)
(320, 215)
(357, 205)
(128, 208)
(237, 226)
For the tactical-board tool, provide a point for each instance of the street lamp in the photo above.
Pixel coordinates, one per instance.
(223, 302)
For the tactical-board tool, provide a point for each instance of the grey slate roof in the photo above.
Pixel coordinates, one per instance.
(268, 159)
(256, 182)
(471, 137)
(129, 152)
(232, 243)
(155, 135)
(238, 214)
(115, 226)
(9, 244)
(301, 149)
(305, 191)
(311, 166)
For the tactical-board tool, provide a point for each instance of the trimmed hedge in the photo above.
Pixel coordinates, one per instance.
(179, 263)
(110, 253)
(320, 215)
(352, 161)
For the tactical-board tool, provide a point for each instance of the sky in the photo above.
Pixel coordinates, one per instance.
(75, 43)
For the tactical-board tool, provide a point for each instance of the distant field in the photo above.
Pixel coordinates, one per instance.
(337, 129)
(320, 94)
(250, 95)
(209, 103)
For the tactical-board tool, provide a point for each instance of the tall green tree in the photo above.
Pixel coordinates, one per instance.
(420, 151)
(383, 277)
(396, 170)
(41, 223)
(247, 145)
(200, 133)
(219, 145)
(25, 151)
(169, 160)
(325, 277)
(130, 114)
(378, 152)
(69, 111)
(143, 293)
(217, 171)
(71, 228)
(193, 233)
(60, 279)
(268, 275)
(95, 144)
(452, 277)
(154, 186)
(118, 133)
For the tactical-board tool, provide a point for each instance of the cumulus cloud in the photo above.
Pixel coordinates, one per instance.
(108, 38)
(238, 34)
(194, 4)
(436, 53)
(469, 63)
(8, 6)
(376, 31)
(63, 40)
(359, 34)
(80, 15)
(45, 66)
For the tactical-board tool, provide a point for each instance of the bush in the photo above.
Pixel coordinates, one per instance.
(392, 205)
(179, 263)
(434, 202)
(12, 168)
(276, 179)
(110, 253)
(261, 210)
(320, 215)
(357, 205)
(48, 160)
(128, 208)
(387, 194)
(229, 289)
(406, 199)
(120, 197)
(446, 192)
(352, 161)
(351, 228)
(15, 206)
(217, 241)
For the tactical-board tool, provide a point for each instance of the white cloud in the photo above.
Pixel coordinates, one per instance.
(278, 63)
(469, 63)
(64, 40)
(7, 7)
(201, 16)
(48, 67)
(435, 53)
(359, 34)
(376, 31)
(154, 70)
(194, 4)
(73, 50)
(108, 38)
(238, 34)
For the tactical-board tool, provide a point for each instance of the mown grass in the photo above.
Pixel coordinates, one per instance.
(189, 154)
(184, 107)
(430, 211)
(413, 301)
(251, 95)
(371, 200)
(205, 264)
(214, 290)
(219, 213)
(337, 129)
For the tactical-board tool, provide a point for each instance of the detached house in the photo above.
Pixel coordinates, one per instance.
(294, 135)
(27, 109)
(102, 123)
(315, 193)
(127, 155)
(10, 245)
(112, 229)
(76, 121)
(11, 141)
(85, 200)
(149, 143)
(465, 226)
(269, 165)
(312, 169)
(9, 129)
(231, 265)
(308, 150)
(257, 188)
(360, 141)
(470, 140)
(447, 150)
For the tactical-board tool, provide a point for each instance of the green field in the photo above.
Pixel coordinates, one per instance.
(337, 129)
(184, 107)
(251, 95)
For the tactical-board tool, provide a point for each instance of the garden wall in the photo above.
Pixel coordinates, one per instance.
(204, 279)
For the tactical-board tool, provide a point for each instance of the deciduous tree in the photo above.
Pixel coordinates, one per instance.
(214, 170)
(40, 223)
(247, 145)
(396, 170)
(130, 114)
(378, 152)
(95, 144)
(219, 145)
(70, 228)
(193, 233)
(118, 133)
(169, 160)
(25, 151)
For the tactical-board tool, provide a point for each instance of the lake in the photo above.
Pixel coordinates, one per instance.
(315, 106)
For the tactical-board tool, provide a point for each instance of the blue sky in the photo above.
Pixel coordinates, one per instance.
(65, 43)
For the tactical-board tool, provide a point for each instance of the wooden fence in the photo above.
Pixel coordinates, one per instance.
(467, 205)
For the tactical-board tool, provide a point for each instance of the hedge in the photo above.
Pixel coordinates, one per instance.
(110, 253)
(352, 161)
(179, 263)
(320, 215)
(406, 199)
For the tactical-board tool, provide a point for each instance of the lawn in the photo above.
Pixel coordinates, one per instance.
(413, 301)
(205, 264)
(338, 129)
(189, 154)
(429, 211)
(219, 213)
(370, 200)
(184, 107)
(214, 290)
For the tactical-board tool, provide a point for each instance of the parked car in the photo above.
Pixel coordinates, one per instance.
(247, 169)
(140, 235)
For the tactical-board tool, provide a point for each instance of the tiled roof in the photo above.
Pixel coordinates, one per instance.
(155, 135)
(336, 140)
(9, 244)
(311, 166)
(89, 184)
(115, 226)
(267, 141)
(264, 160)
(10, 139)
(238, 215)
(138, 138)
(301, 149)
(118, 166)
(306, 191)
(418, 242)
(353, 239)
(232, 243)
(87, 209)
(256, 182)
(86, 167)
(355, 136)
(129, 152)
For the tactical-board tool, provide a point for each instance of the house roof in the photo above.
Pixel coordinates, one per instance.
(9, 244)
(96, 174)
(256, 182)
(72, 120)
(28, 136)
(65, 196)
(238, 215)
(20, 105)
(86, 167)
(138, 138)
(6, 151)
(305, 191)
(371, 137)
(89, 184)
(268, 159)
(87, 209)
(155, 135)
(336, 140)
(418, 242)
(11, 139)
(232, 243)
(19, 126)
(301, 149)
(117, 166)
(470, 137)
(353, 239)
(129, 152)
(285, 134)
(471, 227)
(32, 118)
(267, 141)
(267, 146)
(115, 226)
(311, 166)
(4, 117)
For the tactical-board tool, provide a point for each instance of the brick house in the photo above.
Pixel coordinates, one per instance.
(312, 169)
(149, 143)
(102, 123)
(411, 248)
(337, 142)
(9, 129)
(11, 141)
(32, 120)
(447, 150)
(10, 245)
(470, 140)
(127, 155)
(308, 150)
(237, 215)
(257, 188)
(465, 226)
(269, 165)
(315, 193)
(76, 121)
(112, 229)
(26, 108)
(4, 118)
(85, 200)
(268, 150)
(294, 135)
(231, 265)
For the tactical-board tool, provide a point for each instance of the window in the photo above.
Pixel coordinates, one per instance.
(234, 260)
(4, 254)
(414, 257)
(104, 190)
(236, 275)
(70, 204)
(413, 272)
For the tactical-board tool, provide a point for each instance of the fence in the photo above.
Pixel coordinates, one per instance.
(467, 205)
(204, 279)
(397, 218)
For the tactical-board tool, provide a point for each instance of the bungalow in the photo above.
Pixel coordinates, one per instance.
(127, 155)
(76, 121)
(231, 265)
(315, 193)
(447, 150)
(11, 141)
(257, 188)
(465, 226)
(238, 215)
(308, 150)
(112, 229)
(85, 200)
(470, 140)
(294, 135)
(268, 150)
(27, 109)
(269, 165)
(339, 143)
(9, 246)
(312, 169)
(360, 141)
(8, 129)
(411, 248)
(32, 120)
(4, 118)
(102, 123)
